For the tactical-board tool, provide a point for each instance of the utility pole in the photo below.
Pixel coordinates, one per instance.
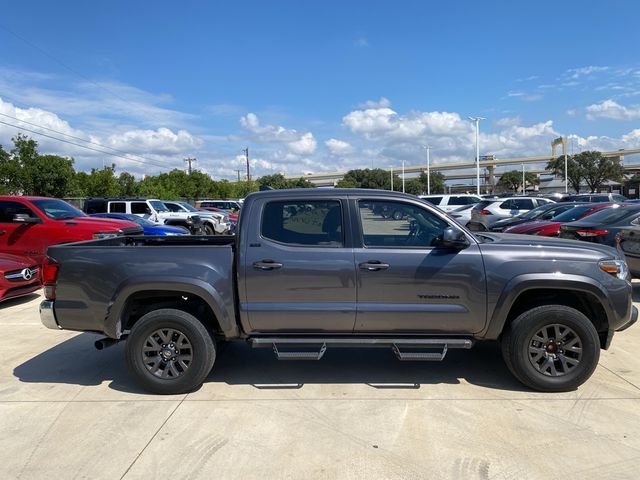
(245, 150)
(238, 172)
(392, 178)
(189, 161)
(477, 121)
(427, 147)
(402, 176)
(523, 180)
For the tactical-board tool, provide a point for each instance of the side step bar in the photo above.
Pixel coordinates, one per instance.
(404, 348)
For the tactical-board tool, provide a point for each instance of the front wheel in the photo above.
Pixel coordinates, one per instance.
(208, 230)
(169, 352)
(552, 348)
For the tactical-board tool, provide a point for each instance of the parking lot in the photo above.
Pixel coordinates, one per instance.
(69, 411)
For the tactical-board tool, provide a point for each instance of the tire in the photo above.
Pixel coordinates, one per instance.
(208, 229)
(397, 215)
(193, 343)
(543, 362)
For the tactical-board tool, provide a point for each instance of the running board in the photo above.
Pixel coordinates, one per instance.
(396, 344)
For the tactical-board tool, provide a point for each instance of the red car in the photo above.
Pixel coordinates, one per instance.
(551, 228)
(18, 276)
(28, 225)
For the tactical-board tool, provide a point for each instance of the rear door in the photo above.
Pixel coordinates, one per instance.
(406, 283)
(299, 273)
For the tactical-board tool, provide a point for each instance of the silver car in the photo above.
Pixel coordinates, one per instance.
(487, 212)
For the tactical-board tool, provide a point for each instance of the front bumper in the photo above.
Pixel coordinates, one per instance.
(632, 319)
(48, 316)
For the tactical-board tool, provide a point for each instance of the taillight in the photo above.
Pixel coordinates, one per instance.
(589, 232)
(49, 277)
(484, 212)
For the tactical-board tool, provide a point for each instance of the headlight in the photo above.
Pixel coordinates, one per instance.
(100, 235)
(615, 267)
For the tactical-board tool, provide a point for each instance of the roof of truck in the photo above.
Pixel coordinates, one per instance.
(329, 193)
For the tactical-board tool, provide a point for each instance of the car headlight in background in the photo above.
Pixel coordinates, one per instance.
(615, 267)
(101, 235)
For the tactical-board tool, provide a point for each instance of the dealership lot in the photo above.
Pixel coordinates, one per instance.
(69, 411)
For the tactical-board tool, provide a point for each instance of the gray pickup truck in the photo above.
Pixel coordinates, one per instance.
(313, 269)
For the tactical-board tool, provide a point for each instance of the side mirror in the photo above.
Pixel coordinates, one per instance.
(454, 238)
(25, 218)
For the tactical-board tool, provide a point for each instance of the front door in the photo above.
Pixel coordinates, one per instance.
(406, 282)
(22, 239)
(298, 269)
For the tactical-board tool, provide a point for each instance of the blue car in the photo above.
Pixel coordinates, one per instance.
(148, 227)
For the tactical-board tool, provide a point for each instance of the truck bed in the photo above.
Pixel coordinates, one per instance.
(97, 276)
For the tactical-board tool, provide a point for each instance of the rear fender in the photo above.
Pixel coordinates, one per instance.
(222, 310)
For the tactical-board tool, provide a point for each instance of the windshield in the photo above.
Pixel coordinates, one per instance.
(535, 213)
(139, 220)
(58, 209)
(611, 215)
(189, 207)
(158, 206)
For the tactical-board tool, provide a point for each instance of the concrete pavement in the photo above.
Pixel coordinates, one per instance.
(69, 411)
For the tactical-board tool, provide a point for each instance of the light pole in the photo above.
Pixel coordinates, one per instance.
(427, 148)
(477, 120)
(392, 178)
(523, 180)
(403, 176)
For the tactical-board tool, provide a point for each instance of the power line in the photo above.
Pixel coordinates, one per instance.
(60, 62)
(81, 139)
(83, 146)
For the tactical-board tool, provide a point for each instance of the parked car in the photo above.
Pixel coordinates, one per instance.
(18, 276)
(602, 226)
(230, 206)
(213, 222)
(315, 269)
(448, 203)
(488, 212)
(628, 241)
(543, 212)
(551, 228)
(28, 225)
(593, 197)
(462, 214)
(151, 209)
(232, 216)
(148, 228)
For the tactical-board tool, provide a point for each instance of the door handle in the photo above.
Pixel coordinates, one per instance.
(267, 265)
(373, 265)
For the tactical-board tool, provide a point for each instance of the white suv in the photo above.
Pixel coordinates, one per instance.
(489, 211)
(214, 222)
(448, 203)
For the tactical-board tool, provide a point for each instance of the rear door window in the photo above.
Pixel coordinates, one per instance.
(463, 200)
(305, 223)
(118, 207)
(140, 208)
(435, 200)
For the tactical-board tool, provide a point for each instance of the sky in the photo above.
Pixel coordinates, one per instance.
(316, 86)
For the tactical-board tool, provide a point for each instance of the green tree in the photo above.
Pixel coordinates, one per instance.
(596, 169)
(367, 178)
(414, 186)
(575, 172)
(24, 155)
(278, 181)
(512, 180)
(102, 183)
(50, 176)
(436, 179)
(127, 185)
(9, 173)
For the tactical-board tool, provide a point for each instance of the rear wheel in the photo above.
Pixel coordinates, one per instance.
(169, 351)
(552, 348)
(208, 229)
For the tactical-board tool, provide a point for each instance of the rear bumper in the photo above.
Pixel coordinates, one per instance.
(48, 316)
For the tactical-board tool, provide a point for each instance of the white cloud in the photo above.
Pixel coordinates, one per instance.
(301, 143)
(508, 121)
(338, 147)
(583, 71)
(383, 102)
(610, 109)
(527, 97)
(361, 42)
